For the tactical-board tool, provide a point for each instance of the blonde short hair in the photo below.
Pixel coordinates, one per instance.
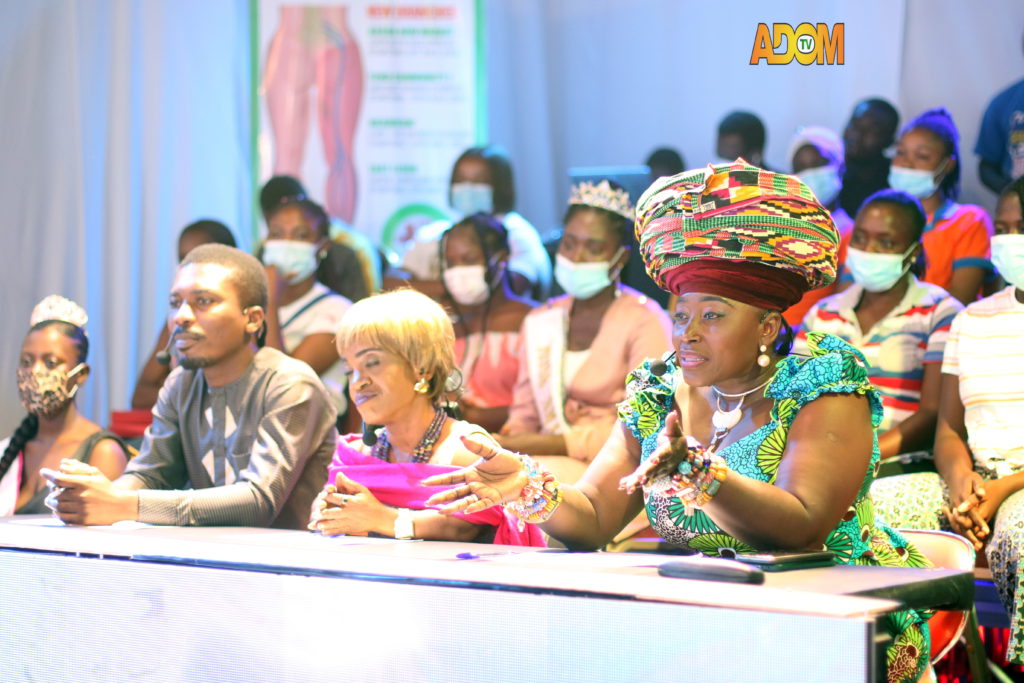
(408, 324)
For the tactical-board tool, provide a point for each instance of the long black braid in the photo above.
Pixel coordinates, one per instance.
(29, 426)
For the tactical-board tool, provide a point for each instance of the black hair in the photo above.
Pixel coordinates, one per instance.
(493, 238)
(29, 426)
(1014, 188)
(278, 189)
(619, 225)
(907, 204)
(249, 277)
(888, 113)
(500, 169)
(320, 220)
(668, 159)
(215, 231)
(912, 212)
(747, 125)
(939, 122)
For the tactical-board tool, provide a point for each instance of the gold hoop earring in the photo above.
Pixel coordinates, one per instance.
(764, 359)
(422, 386)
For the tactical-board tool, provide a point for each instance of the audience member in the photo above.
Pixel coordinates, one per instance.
(956, 237)
(979, 442)
(1000, 146)
(239, 436)
(578, 348)
(899, 323)
(302, 314)
(741, 135)
(487, 316)
(347, 243)
(51, 370)
(817, 158)
(870, 131)
(665, 161)
(482, 182)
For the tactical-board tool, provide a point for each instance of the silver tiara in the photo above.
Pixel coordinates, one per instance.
(602, 196)
(56, 307)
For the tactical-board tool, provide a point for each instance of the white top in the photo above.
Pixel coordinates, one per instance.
(527, 255)
(572, 361)
(299, 320)
(985, 351)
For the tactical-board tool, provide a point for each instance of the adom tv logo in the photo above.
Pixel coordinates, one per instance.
(807, 43)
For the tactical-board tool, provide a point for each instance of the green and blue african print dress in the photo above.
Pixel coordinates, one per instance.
(834, 367)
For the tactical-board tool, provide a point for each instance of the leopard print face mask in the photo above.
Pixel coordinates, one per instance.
(44, 391)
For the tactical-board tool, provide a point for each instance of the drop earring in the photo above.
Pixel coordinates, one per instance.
(764, 359)
(422, 386)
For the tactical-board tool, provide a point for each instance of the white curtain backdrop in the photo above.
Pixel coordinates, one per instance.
(125, 120)
(121, 123)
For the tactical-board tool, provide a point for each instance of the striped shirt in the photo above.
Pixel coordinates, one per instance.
(986, 351)
(897, 347)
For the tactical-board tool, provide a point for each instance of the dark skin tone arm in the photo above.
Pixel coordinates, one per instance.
(490, 419)
(966, 283)
(954, 462)
(317, 350)
(152, 377)
(533, 444)
(917, 432)
(827, 454)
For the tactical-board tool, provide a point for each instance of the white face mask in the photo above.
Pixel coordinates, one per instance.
(1008, 258)
(915, 182)
(877, 272)
(824, 181)
(471, 198)
(583, 280)
(467, 284)
(295, 260)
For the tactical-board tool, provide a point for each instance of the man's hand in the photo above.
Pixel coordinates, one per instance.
(82, 495)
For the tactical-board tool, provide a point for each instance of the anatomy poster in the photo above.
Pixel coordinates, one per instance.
(369, 104)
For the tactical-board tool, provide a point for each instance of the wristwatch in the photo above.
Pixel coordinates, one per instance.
(403, 524)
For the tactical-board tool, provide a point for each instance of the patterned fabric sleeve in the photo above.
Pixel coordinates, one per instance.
(648, 399)
(834, 367)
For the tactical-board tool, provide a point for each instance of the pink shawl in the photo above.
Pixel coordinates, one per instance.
(398, 485)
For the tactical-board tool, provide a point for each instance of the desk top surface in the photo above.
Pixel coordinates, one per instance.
(830, 591)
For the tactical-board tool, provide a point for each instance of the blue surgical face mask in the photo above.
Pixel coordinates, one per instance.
(1008, 258)
(294, 259)
(877, 272)
(915, 182)
(470, 198)
(583, 280)
(824, 181)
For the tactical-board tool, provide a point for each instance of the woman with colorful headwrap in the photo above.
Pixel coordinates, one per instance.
(51, 369)
(779, 451)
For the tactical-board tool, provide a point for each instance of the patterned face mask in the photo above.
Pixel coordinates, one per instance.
(44, 391)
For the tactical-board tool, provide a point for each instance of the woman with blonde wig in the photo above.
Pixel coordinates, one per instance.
(398, 350)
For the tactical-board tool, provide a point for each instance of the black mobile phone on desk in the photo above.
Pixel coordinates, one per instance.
(786, 560)
(711, 569)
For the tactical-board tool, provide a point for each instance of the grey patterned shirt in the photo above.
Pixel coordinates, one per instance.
(252, 453)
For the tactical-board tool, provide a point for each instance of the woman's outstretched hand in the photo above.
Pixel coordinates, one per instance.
(497, 477)
(672, 449)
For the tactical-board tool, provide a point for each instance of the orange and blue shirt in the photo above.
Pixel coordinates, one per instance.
(897, 347)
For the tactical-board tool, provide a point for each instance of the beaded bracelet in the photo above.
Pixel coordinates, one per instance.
(697, 479)
(539, 498)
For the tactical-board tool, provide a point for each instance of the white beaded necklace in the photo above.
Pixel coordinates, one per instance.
(724, 420)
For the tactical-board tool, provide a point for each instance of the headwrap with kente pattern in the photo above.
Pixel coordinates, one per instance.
(733, 216)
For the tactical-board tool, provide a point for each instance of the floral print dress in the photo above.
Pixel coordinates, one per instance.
(834, 367)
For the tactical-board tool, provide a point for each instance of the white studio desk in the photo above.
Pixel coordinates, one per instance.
(141, 603)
